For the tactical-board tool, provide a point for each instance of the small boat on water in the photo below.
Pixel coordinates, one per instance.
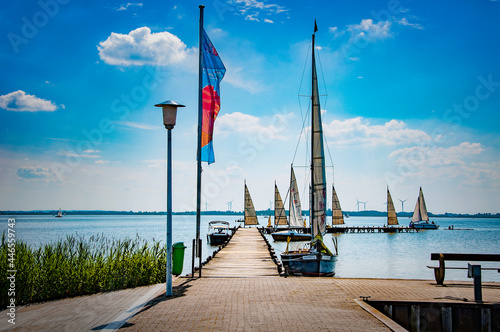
(59, 214)
(316, 259)
(295, 215)
(218, 232)
(420, 219)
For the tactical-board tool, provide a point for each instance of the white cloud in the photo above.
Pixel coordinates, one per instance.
(248, 124)
(268, 20)
(251, 9)
(19, 101)
(359, 131)
(127, 5)
(37, 173)
(252, 18)
(370, 31)
(404, 21)
(137, 125)
(88, 154)
(236, 77)
(437, 156)
(141, 47)
(335, 31)
(459, 163)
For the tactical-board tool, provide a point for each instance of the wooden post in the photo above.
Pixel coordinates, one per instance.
(439, 272)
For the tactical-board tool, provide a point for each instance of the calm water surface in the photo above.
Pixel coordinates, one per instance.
(376, 255)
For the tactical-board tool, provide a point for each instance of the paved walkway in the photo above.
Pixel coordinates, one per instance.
(227, 301)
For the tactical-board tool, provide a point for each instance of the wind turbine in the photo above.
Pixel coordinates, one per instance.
(403, 204)
(357, 203)
(230, 205)
(206, 206)
(364, 204)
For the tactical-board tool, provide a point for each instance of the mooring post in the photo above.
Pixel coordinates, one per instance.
(474, 271)
(199, 257)
(193, 258)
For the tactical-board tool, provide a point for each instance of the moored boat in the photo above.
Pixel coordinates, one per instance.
(218, 232)
(317, 259)
(295, 219)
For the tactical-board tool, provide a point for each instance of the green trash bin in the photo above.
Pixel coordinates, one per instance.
(178, 249)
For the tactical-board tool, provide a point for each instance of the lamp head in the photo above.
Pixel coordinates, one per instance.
(169, 108)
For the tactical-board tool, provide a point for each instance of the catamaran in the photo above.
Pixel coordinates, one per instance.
(317, 260)
(392, 218)
(420, 217)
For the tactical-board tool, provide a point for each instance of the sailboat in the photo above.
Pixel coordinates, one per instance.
(337, 216)
(59, 214)
(420, 217)
(295, 214)
(392, 218)
(250, 215)
(317, 260)
(279, 209)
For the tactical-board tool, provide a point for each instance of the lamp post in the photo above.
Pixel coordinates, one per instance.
(169, 108)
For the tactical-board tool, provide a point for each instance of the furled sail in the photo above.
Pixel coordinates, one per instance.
(392, 218)
(295, 208)
(318, 179)
(337, 216)
(420, 212)
(250, 215)
(279, 209)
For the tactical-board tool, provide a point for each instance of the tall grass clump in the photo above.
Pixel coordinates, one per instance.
(77, 266)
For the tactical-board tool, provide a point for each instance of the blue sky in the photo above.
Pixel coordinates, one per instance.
(411, 98)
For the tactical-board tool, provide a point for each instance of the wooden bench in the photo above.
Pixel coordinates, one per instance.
(442, 257)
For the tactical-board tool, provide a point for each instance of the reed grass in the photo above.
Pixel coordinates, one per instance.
(76, 266)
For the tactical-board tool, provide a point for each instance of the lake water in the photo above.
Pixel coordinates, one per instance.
(374, 255)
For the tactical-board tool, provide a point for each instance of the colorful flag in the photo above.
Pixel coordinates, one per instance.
(213, 72)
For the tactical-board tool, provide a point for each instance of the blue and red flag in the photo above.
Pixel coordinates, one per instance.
(213, 72)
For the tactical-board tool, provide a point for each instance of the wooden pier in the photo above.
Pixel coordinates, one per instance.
(351, 229)
(246, 255)
(370, 229)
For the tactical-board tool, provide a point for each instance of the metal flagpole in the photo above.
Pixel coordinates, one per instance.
(169, 213)
(199, 169)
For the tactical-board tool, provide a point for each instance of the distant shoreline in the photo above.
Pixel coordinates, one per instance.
(268, 212)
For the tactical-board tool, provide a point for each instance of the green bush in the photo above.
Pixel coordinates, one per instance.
(77, 266)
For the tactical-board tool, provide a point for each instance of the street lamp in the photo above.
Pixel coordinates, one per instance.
(169, 108)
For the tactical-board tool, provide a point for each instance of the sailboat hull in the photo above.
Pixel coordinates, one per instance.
(309, 264)
(423, 225)
(294, 236)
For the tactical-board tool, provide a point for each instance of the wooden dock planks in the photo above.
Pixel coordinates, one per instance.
(245, 256)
